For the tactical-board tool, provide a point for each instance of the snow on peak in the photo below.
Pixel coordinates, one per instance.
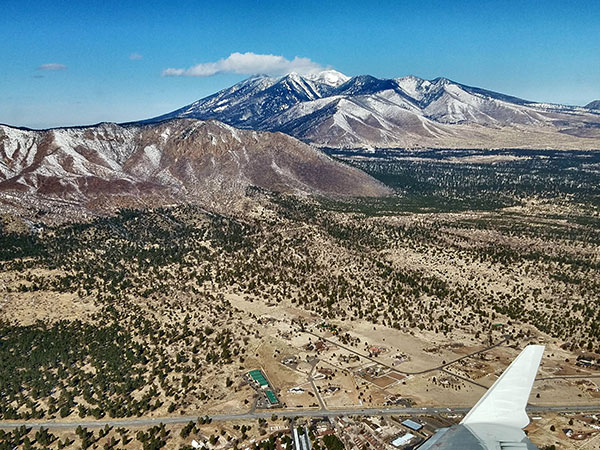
(419, 88)
(330, 77)
(293, 76)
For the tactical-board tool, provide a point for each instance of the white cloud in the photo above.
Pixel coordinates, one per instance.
(135, 56)
(52, 66)
(248, 64)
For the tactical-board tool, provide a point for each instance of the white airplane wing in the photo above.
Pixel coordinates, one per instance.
(504, 403)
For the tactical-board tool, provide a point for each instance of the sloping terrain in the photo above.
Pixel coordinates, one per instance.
(187, 160)
(336, 111)
(593, 105)
(153, 312)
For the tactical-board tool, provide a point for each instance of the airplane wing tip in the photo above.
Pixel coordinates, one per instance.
(504, 403)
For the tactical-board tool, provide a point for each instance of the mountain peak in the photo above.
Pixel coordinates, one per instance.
(593, 105)
(257, 76)
(329, 77)
(441, 81)
(364, 85)
(292, 76)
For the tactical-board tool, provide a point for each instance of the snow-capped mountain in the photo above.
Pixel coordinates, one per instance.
(177, 160)
(251, 102)
(331, 109)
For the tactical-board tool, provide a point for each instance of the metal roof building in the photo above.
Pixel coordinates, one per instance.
(301, 441)
(403, 440)
(412, 424)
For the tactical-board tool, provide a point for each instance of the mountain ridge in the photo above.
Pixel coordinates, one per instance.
(365, 111)
(181, 160)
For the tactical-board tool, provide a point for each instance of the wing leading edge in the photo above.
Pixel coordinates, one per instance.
(497, 419)
(504, 403)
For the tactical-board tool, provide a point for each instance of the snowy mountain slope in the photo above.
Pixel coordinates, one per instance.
(181, 159)
(252, 101)
(331, 109)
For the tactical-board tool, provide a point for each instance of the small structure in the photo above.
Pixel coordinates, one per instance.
(395, 400)
(289, 361)
(321, 426)
(401, 441)
(376, 351)
(415, 426)
(328, 326)
(320, 346)
(296, 390)
(585, 362)
(589, 361)
(332, 390)
(301, 441)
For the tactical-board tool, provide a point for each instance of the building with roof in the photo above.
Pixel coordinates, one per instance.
(416, 426)
(301, 441)
(401, 441)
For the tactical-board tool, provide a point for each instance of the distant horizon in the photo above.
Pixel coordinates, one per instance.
(85, 63)
(126, 122)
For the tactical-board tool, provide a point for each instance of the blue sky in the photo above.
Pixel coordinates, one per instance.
(67, 63)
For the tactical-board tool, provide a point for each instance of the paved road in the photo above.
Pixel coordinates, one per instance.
(562, 377)
(291, 413)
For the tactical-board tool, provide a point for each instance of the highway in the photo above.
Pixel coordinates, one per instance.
(147, 421)
(310, 412)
